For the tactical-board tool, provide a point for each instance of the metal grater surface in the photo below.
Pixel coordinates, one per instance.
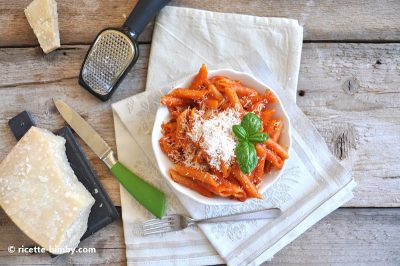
(109, 57)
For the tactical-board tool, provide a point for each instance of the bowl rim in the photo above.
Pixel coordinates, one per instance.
(178, 188)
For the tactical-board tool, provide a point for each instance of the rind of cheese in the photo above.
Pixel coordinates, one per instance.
(43, 18)
(41, 194)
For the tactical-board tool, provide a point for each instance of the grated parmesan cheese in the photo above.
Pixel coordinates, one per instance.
(188, 159)
(215, 135)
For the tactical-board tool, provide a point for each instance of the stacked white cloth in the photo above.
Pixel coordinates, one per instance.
(313, 184)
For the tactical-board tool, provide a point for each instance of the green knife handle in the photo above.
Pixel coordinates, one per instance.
(150, 197)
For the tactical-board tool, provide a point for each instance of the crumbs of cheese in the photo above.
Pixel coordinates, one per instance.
(215, 136)
(188, 159)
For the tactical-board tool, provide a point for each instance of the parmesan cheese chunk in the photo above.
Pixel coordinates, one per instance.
(41, 194)
(43, 18)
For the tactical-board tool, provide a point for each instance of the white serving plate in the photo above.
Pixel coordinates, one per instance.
(164, 164)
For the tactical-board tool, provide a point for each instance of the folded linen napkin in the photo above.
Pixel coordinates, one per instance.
(313, 184)
(185, 38)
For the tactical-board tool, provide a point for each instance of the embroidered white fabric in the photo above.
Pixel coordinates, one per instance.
(313, 184)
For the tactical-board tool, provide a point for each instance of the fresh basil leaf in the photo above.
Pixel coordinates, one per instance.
(258, 137)
(240, 132)
(251, 123)
(246, 156)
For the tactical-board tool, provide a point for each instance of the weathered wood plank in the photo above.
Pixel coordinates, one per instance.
(350, 236)
(350, 93)
(322, 20)
(79, 21)
(347, 237)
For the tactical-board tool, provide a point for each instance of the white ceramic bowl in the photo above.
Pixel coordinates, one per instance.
(165, 164)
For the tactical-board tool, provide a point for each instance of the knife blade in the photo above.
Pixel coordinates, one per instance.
(150, 197)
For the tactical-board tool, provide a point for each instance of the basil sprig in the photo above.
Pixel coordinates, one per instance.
(248, 133)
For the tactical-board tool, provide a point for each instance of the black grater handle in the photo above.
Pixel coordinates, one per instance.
(144, 11)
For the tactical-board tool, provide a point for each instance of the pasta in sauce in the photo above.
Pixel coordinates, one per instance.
(198, 139)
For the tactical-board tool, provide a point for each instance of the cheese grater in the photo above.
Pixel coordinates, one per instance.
(114, 51)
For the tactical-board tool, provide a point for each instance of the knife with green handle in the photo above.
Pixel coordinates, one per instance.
(147, 195)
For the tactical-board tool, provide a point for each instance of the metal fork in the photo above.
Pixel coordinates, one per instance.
(178, 222)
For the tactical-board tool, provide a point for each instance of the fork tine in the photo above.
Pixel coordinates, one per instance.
(157, 221)
(158, 226)
(165, 230)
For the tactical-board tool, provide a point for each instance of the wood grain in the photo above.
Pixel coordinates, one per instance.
(350, 236)
(351, 94)
(352, 99)
(322, 20)
(79, 21)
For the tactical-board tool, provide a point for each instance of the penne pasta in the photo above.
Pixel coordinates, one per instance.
(201, 165)
(278, 149)
(246, 183)
(267, 167)
(278, 126)
(164, 145)
(258, 107)
(200, 80)
(233, 98)
(270, 97)
(181, 123)
(243, 91)
(169, 127)
(227, 189)
(214, 92)
(189, 183)
(270, 126)
(274, 159)
(172, 101)
(196, 174)
(221, 82)
(189, 94)
(259, 170)
(225, 170)
(211, 103)
(266, 116)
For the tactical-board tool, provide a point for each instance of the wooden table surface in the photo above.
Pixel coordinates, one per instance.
(348, 86)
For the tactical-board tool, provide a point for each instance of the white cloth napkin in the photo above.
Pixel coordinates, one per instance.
(185, 38)
(313, 185)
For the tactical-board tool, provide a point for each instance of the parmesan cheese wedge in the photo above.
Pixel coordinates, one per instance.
(43, 18)
(42, 195)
